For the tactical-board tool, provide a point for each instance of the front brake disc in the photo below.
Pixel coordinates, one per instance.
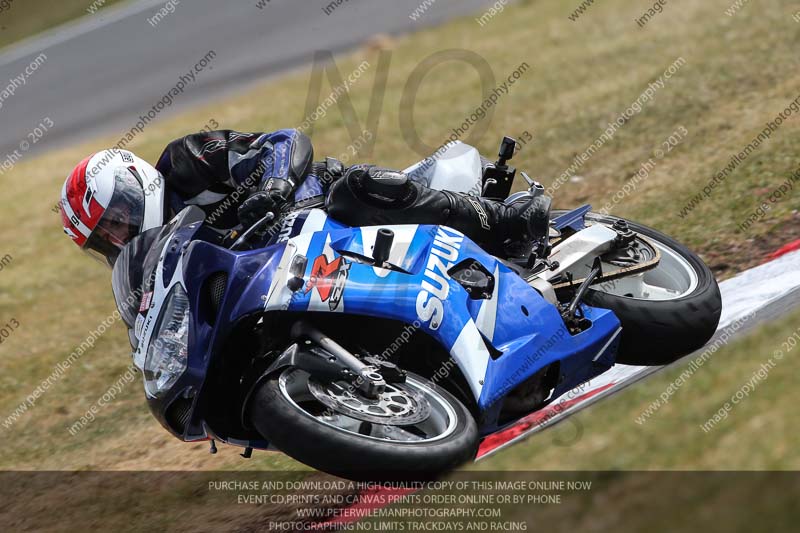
(398, 405)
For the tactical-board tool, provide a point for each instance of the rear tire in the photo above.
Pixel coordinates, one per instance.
(658, 332)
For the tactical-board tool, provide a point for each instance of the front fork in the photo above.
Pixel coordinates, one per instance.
(328, 361)
(329, 358)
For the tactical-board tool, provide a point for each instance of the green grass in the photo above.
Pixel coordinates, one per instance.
(23, 18)
(740, 71)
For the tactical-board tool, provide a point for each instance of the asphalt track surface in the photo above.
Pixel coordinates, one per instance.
(106, 69)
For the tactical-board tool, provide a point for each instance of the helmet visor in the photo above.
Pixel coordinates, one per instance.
(121, 221)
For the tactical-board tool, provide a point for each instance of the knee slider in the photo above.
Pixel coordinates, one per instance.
(381, 187)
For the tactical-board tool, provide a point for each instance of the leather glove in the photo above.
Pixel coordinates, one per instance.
(329, 170)
(258, 205)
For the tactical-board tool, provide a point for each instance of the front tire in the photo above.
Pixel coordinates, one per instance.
(286, 413)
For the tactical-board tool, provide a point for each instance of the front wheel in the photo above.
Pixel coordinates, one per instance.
(414, 430)
(666, 312)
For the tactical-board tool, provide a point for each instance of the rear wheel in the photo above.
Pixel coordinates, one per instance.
(666, 312)
(414, 430)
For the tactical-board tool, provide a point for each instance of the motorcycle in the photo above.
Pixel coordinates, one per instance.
(388, 352)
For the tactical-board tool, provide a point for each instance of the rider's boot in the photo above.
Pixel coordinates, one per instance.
(372, 196)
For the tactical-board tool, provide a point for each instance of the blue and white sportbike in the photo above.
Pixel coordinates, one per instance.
(388, 352)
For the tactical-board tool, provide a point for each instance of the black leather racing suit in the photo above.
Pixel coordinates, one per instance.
(219, 170)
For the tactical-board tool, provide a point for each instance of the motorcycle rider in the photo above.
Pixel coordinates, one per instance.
(235, 177)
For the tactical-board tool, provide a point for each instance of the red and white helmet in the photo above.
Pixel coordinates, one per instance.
(108, 199)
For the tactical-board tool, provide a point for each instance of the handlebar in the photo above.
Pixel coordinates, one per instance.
(252, 230)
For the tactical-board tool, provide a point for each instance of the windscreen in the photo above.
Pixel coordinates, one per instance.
(134, 270)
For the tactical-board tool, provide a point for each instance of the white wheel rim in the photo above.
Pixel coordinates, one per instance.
(440, 424)
(673, 278)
